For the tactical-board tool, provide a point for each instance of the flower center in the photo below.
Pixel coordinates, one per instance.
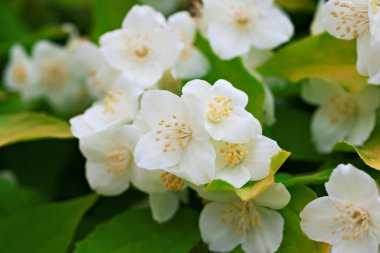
(54, 74)
(354, 222)
(241, 19)
(19, 74)
(172, 182)
(340, 108)
(219, 109)
(174, 134)
(113, 97)
(233, 153)
(137, 46)
(242, 215)
(141, 51)
(352, 16)
(117, 161)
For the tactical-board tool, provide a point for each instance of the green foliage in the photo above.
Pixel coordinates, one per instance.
(46, 228)
(30, 126)
(135, 231)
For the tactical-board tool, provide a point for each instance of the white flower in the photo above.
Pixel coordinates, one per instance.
(220, 110)
(99, 74)
(238, 163)
(21, 74)
(109, 155)
(349, 19)
(192, 62)
(234, 26)
(118, 107)
(349, 217)
(317, 25)
(256, 228)
(165, 191)
(61, 78)
(144, 48)
(176, 143)
(342, 116)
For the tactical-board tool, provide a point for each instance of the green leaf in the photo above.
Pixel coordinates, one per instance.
(316, 178)
(234, 72)
(295, 241)
(31, 126)
(135, 231)
(322, 57)
(292, 131)
(297, 6)
(43, 229)
(15, 198)
(108, 15)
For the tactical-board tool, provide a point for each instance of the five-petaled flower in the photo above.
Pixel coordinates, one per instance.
(349, 217)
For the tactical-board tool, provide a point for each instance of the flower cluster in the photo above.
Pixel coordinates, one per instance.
(349, 217)
(357, 19)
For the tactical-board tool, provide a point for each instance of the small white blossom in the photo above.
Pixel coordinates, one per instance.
(61, 78)
(144, 48)
(251, 224)
(349, 19)
(119, 107)
(175, 143)
(233, 27)
(220, 110)
(342, 116)
(238, 163)
(20, 73)
(349, 217)
(192, 62)
(109, 155)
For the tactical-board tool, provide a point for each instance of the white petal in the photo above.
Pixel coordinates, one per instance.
(183, 22)
(349, 184)
(238, 127)
(95, 144)
(219, 236)
(275, 197)
(79, 127)
(197, 164)
(149, 153)
(226, 89)
(143, 19)
(362, 128)
(158, 105)
(368, 98)
(236, 176)
(128, 136)
(367, 245)
(327, 130)
(164, 205)
(317, 222)
(260, 153)
(228, 42)
(363, 45)
(103, 182)
(147, 181)
(318, 91)
(193, 65)
(272, 29)
(267, 237)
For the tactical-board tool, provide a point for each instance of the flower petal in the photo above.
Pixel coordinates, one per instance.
(272, 29)
(103, 182)
(367, 245)
(318, 91)
(219, 236)
(267, 237)
(193, 65)
(143, 19)
(147, 181)
(317, 222)
(275, 197)
(349, 184)
(236, 176)
(164, 205)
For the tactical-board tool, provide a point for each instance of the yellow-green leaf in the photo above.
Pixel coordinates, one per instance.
(321, 56)
(31, 126)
